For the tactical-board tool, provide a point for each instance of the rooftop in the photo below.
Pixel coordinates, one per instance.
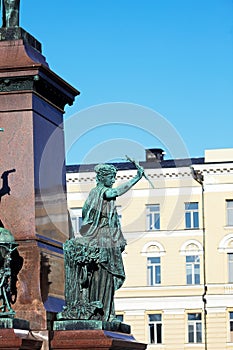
(155, 160)
(170, 163)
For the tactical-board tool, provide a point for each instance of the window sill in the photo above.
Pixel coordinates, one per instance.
(154, 285)
(192, 228)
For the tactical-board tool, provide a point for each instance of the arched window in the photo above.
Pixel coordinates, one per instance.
(226, 246)
(192, 250)
(153, 251)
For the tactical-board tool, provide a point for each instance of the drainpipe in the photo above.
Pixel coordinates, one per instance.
(197, 176)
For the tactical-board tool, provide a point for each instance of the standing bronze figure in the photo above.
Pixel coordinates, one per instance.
(93, 262)
(7, 246)
(10, 13)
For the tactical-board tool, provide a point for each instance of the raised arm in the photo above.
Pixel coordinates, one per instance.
(121, 189)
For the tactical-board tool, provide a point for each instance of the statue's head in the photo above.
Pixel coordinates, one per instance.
(104, 171)
(6, 236)
(7, 243)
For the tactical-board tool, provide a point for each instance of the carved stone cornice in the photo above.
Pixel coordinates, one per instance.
(39, 85)
(24, 68)
(16, 84)
(153, 174)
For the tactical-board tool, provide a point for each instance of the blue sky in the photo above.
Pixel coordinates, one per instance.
(173, 57)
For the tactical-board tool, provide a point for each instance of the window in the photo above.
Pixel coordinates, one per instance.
(155, 328)
(153, 217)
(191, 215)
(229, 212)
(153, 271)
(120, 317)
(230, 267)
(194, 328)
(193, 269)
(76, 219)
(231, 326)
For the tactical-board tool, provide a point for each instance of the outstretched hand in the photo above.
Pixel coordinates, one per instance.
(140, 172)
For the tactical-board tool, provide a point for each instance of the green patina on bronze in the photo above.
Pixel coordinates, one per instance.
(7, 246)
(10, 13)
(93, 263)
(80, 258)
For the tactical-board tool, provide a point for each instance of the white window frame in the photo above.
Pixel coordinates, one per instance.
(76, 219)
(230, 267)
(152, 270)
(120, 316)
(195, 324)
(193, 265)
(153, 217)
(190, 212)
(157, 327)
(229, 212)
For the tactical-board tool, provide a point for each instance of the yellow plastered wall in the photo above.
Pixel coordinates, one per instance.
(174, 187)
(136, 322)
(174, 331)
(217, 335)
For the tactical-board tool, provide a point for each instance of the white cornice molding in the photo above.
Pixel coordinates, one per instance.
(134, 312)
(158, 173)
(160, 252)
(224, 244)
(214, 167)
(214, 310)
(215, 303)
(185, 251)
(174, 311)
(159, 303)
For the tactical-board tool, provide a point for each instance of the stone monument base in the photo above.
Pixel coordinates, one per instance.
(93, 339)
(17, 323)
(12, 340)
(66, 325)
(17, 33)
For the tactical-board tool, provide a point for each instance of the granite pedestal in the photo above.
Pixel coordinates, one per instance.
(15, 335)
(93, 340)
(92, 334)
(15, 340)
(15, 323)
(32, 101)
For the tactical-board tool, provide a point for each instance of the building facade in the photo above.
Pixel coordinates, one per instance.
(178, 292)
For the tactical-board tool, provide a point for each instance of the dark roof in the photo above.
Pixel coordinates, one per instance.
(170, 163)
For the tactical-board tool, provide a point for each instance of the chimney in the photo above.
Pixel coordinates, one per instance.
(154, 154)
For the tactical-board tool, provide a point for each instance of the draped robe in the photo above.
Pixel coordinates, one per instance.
(101, 225)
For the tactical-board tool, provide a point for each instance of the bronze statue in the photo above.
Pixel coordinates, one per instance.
(93, 262)
(7, 246)
(10, 13)
(8, 274)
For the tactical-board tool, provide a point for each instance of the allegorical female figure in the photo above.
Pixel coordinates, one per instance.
(101, 226)
(10, 13)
